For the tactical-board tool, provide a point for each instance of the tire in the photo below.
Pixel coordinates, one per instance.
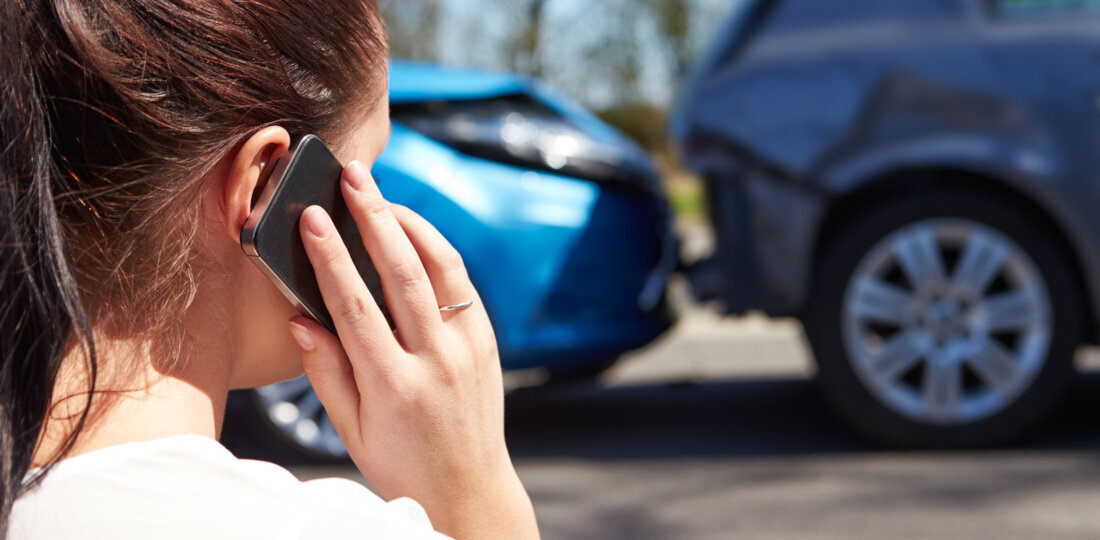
(581, 373)
(961, 390)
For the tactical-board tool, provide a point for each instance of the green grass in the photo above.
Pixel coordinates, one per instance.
(686, 195)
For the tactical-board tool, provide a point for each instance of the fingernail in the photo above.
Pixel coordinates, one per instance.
(356, 175)
(301, 335)
(316, 222)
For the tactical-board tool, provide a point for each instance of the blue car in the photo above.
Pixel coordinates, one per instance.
(561, 220)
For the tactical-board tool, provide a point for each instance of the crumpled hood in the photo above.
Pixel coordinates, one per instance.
(411, 82)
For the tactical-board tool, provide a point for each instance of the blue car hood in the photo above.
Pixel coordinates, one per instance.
(412, 82)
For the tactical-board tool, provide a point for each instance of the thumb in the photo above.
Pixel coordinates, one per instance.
(326, 364)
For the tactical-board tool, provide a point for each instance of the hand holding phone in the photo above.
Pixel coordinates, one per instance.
(420, 410)
(308, 174)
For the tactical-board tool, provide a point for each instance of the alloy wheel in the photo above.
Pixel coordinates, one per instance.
(294, 410)
(946, 321)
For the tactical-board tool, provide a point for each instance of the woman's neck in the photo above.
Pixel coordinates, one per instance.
(134, 401)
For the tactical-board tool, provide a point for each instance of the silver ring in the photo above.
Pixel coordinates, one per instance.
(457, 307)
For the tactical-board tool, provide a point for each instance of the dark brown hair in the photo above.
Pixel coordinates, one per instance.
(113, 111)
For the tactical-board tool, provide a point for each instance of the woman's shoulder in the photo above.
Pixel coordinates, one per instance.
(192, 487)
(185, 463)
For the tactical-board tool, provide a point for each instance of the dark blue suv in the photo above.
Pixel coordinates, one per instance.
(917, 180)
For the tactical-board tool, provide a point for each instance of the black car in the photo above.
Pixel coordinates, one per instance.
(918, 182)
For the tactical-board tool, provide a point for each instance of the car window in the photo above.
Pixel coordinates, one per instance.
(1043, 8)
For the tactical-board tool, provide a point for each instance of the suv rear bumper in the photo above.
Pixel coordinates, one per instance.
(765, 235)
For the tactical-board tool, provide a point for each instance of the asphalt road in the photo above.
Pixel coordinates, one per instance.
(717, 432)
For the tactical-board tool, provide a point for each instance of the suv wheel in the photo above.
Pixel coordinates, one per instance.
(946, 318)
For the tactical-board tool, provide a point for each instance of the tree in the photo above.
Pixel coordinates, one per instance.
(614, 53)
(529, 16)
(673, 21)
(604, 52)
(413, 28)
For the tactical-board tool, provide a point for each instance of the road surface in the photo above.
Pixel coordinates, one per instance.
(717, 431)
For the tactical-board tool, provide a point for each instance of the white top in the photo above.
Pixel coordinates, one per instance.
(190, 487)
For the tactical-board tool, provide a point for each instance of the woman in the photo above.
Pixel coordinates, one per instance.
(135, 134)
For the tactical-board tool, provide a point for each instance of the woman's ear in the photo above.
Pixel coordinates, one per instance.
(244, 174)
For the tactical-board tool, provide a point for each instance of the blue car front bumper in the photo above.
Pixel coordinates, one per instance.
(571, 271)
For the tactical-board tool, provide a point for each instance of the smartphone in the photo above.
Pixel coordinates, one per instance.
(305, 175)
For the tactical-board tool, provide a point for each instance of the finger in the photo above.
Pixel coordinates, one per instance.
(362, 328)
(405, 283)
(330, 373)
(449, 278)
(441, 260)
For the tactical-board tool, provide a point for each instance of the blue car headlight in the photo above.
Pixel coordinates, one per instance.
(521, 131)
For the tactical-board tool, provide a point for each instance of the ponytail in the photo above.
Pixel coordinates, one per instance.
(40, 311)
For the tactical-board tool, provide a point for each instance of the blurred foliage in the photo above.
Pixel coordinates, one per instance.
(646, 124)
(673, 19)
(687, 197)
(412, 31)
(643, 122)
(602, 52)
(528, 18)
